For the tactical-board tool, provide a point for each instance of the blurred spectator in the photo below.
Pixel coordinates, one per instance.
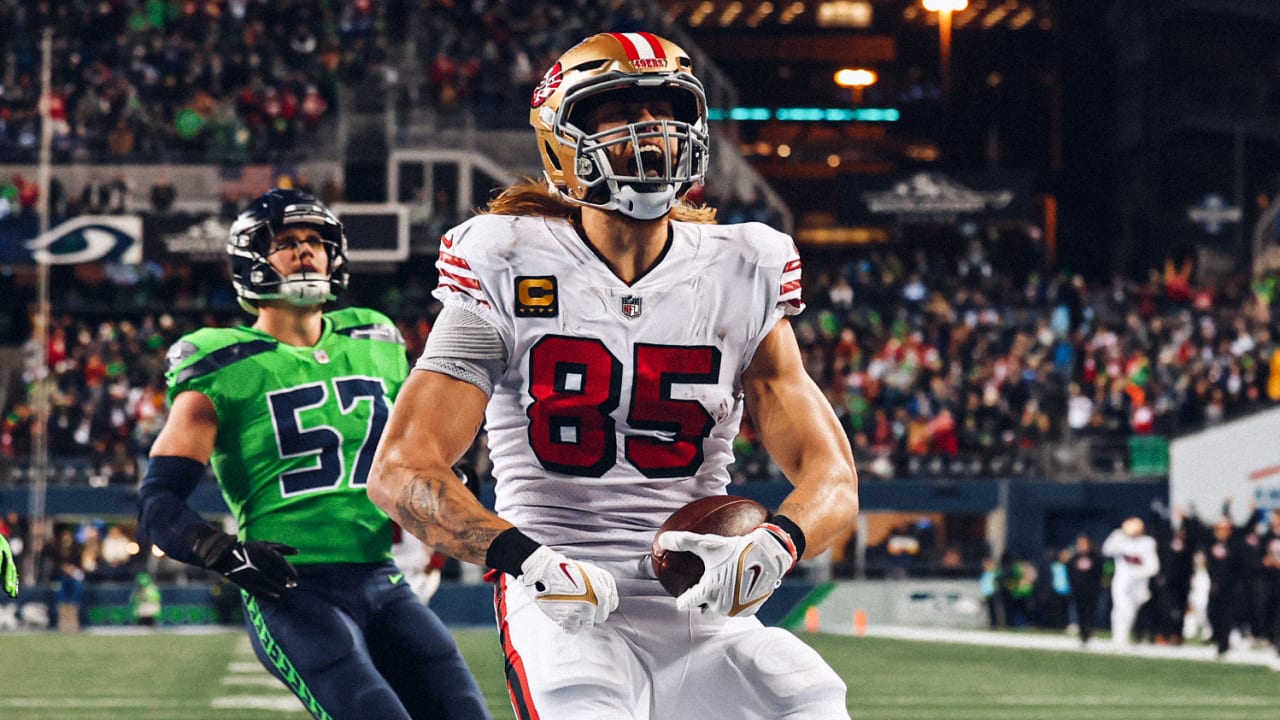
(1057, 612)
(162, 195)
(66, 555)
(145, 600)
(1270, 580)
(1172, 584)
(1222, 562)
(989, 586)
(1196, 625)
(1084, 573)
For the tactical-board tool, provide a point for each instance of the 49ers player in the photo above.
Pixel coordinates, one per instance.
(609, 337)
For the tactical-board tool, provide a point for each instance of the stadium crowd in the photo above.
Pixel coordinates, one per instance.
(251, 80)
(922, 359)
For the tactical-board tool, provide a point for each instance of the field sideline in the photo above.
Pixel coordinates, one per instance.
(211, 674)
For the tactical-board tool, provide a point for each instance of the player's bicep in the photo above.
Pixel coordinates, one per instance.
(793, 417)
(434, 421)
(190, 430)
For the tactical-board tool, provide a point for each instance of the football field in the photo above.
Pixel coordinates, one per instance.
(211, 674)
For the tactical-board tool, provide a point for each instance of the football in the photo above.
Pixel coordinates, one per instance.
(713, 515)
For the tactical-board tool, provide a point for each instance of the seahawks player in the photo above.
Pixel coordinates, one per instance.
(290, 410)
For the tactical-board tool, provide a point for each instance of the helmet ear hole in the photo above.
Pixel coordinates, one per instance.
(551, 156)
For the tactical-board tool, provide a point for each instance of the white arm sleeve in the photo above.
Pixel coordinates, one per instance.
(463, 346)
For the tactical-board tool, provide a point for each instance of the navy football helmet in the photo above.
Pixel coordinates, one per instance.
(250, 242)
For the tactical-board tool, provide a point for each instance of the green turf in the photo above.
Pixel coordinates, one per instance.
(164, 676)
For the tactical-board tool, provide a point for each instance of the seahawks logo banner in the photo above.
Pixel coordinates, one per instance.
(84, 239)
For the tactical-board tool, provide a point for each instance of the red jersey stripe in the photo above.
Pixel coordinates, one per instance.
(454, 288)
(517, 677)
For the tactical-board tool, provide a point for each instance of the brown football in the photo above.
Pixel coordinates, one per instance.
(714, 515)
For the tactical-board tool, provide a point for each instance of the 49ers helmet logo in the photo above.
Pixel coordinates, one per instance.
(547, 87)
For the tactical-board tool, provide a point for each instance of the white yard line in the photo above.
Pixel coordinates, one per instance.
(250, 673)
(1066, 643)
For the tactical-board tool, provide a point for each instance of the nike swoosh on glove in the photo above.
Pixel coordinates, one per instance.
(572, 593)
(741, 572)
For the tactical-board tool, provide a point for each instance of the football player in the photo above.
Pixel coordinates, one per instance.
(289, 411)
(1136, 561)
(610, 337)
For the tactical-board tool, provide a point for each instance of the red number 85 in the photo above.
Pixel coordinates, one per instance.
(576, 383)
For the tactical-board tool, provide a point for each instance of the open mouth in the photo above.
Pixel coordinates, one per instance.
(653, 160)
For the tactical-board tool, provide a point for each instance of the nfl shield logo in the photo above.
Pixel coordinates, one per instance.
(631, 306)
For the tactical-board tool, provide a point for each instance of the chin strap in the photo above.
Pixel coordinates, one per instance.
(645, 205)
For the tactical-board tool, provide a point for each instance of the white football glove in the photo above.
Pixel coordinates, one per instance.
(574, 594)
(741, 572)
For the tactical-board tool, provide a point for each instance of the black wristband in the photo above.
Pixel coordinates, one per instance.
(509, 550)
(792, 529)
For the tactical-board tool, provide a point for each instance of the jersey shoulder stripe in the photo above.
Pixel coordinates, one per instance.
(467, 244)
(472, 251)
(769, 248)
(186, 362)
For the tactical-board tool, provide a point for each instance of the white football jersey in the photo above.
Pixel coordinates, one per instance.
(619, 403)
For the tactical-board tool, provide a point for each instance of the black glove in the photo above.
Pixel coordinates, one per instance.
(258, 567)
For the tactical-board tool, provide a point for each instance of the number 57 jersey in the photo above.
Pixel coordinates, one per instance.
(619, 402)
(297, 427)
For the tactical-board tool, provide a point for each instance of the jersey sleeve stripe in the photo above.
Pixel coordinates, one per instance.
(457, 279)
(446, 285)
(451, 259)
(792, 265)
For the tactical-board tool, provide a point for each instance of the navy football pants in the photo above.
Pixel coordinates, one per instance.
(353, 644)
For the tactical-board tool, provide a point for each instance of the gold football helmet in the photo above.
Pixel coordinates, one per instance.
(575, 159)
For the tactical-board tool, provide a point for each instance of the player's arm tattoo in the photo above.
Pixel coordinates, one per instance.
(445, 516)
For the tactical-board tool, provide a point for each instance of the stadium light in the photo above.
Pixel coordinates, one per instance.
(945, 8)
(856, 79)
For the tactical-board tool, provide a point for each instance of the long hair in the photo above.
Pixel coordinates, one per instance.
(534, 198)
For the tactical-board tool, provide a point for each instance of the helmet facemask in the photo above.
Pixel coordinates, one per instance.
(664, 156)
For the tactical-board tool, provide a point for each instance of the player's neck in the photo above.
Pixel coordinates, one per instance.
(630, 247)
(290, 324)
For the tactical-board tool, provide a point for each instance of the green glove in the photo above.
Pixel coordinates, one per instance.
(8, 569)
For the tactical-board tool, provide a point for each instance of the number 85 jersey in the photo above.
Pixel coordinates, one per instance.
(619, 403)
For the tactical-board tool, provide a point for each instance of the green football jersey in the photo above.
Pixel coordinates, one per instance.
(297, 429)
